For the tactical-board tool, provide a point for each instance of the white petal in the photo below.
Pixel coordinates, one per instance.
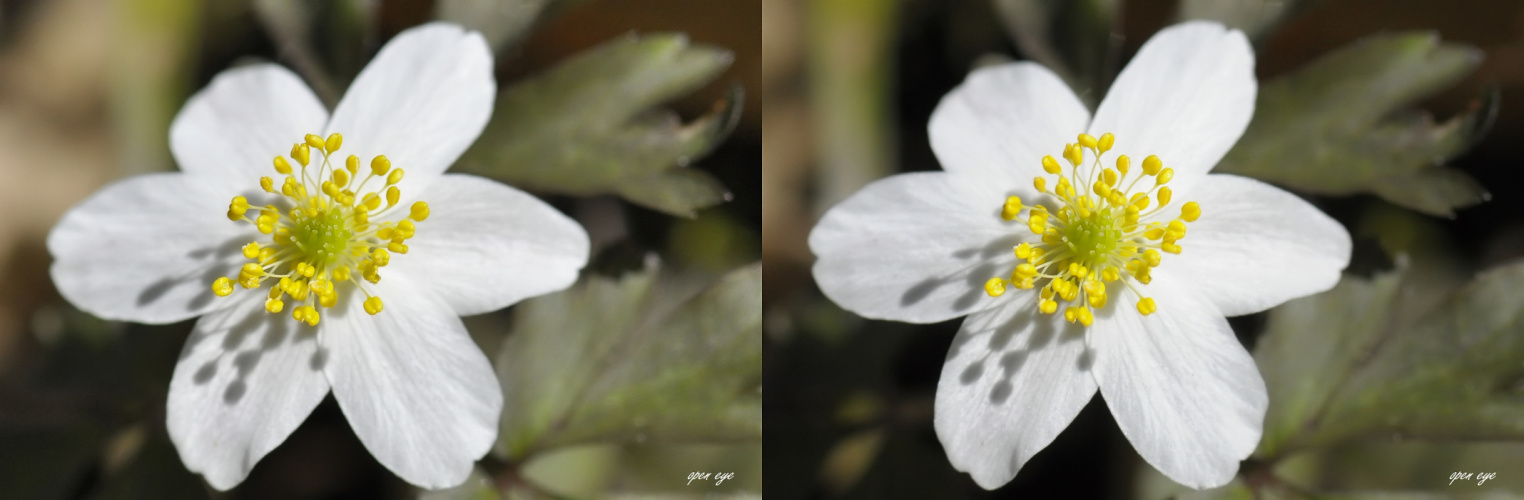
(915, 247)
(486, 245)
(245, 380)
(234, 128)
(1256, 246)
(147, 249)
(1013, 380)
(1186, 97)
(421, 102)
(417, 391)
(1002, 120)
(1183, 390)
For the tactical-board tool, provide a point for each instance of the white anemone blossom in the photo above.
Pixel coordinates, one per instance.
(1077, 275)
(329, 268)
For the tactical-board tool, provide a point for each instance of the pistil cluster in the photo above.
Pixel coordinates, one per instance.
(1102, 232)
(325, 237)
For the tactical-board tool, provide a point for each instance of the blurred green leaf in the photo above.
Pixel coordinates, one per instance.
(1253, 17)
(1347, 365)
(618, 360)
(1338, 126)
(478, 486)
(1071, 38)
(502, 22)
(325, 41)
(588, 126)
(152, 52)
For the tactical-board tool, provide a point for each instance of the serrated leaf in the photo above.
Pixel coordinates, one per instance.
(587, 126)
(1451, 372)
(1339, 126)
(618, 361)
(501, 22)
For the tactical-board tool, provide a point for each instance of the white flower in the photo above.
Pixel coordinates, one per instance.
(417, 391)
(1150, 332)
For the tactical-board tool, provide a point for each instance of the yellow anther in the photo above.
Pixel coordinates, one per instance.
(420, 211)
(251, 269)
(394, 177)
(1111, 274)
(1097, 301)
(1176, 229)
(362, 216)
(274, 305)
(1106, 141)
(1074, 154)
(302, 153)
(404, 230)
(1050, 165)
(1170, 247)
(1123, 163)
(352, 164)
(313, 140)
(1164, 193)
(1087, 140)
(373, 305)
(1164, 176)
(266, 255)
(396, 247)
(1116, 199)
(1152, 257)
(1109, 177)
(251, 250)
(1147, 306)
(1037, 223)
(995, 287)
(1139, 200)
(1040, 183)
(1071, 314)
(329, 299)
(1190, 211)
(222, 286)
(237, 207)
(1024, 271)
(380, 165)
(1047, 306)
(1095, 287)
(1023, 251)
(381, 257)
(392, 193)
(1085, 318)
(371, 201)
(1011, 209)
(1101, 189)
(282, 166)
(277, 291)
(289, 187)
(267, 184)
(341, 274)
(1154, 233)
(320, 287)
(341, 178)
(1151, 165)
(330, 189)
(1078, 270)
(334, 141)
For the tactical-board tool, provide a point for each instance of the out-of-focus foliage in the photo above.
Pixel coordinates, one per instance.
(588, 126)
(1339, 126)
(624, 361)
(1254, 17)
(1072, 38)
(1449, 373)
(323, 40)
(501, 22)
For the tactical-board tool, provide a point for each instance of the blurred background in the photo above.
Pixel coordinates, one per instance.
(1398, 118)
(657, 99)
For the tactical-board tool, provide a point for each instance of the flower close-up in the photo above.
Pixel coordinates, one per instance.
(1089, 253)
(325, 252)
